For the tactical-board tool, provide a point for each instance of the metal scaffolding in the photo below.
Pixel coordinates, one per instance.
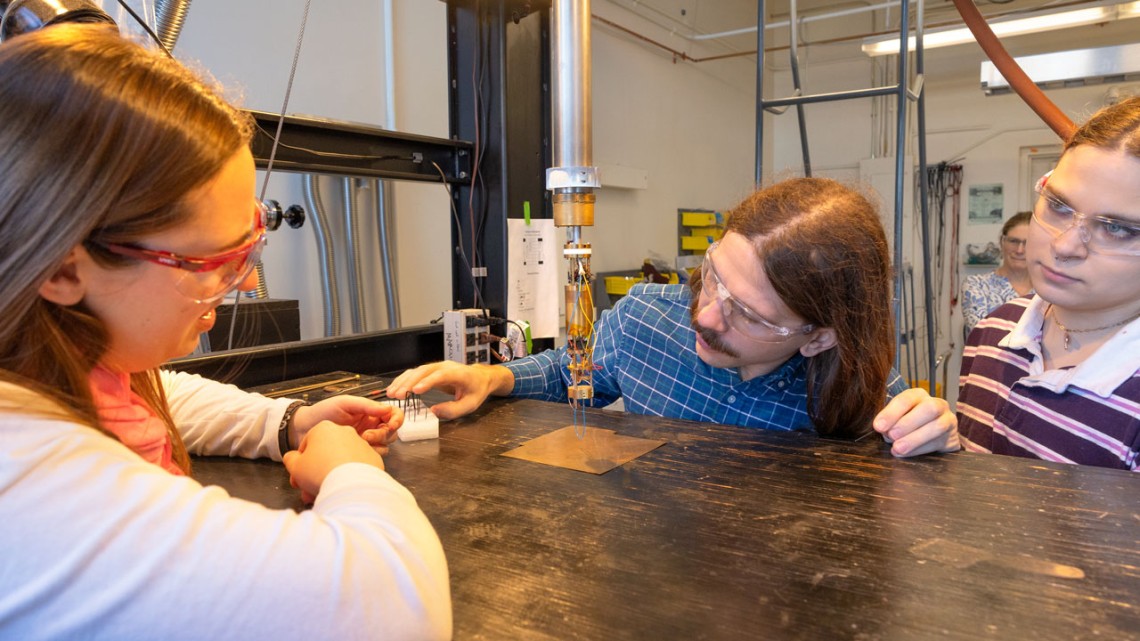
(902, 93)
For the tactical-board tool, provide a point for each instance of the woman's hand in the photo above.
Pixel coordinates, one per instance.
(916, 423)
(324, 448)
(376, 423)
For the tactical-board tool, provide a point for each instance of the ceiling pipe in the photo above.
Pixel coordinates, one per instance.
(681, 55)
(784, 23)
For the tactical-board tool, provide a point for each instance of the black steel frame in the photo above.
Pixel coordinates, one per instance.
(499, 79)
(375, 353)
(315, 145)
(499, 76)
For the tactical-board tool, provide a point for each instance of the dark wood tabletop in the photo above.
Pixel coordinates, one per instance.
(731, 533)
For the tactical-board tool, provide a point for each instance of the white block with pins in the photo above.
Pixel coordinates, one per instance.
(419, 422)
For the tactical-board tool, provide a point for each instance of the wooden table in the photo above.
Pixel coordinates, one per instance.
(729, 533)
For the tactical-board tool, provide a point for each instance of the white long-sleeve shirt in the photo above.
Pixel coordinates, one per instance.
(96, 543)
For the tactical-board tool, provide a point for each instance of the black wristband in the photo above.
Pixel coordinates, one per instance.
(286, 421)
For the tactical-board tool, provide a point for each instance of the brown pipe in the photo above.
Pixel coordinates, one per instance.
(1018, 80)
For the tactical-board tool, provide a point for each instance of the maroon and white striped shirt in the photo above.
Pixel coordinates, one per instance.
(1009, 404)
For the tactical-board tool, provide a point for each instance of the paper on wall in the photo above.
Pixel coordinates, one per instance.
(533, 266)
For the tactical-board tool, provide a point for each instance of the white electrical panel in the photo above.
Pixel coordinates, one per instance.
(465, 334)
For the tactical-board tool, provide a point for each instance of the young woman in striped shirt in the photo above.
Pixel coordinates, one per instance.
(1057, 377)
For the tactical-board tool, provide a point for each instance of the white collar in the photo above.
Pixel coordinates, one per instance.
(1101, 373)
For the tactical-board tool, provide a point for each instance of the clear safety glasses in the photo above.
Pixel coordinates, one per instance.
(1101, 234)
(738, 316)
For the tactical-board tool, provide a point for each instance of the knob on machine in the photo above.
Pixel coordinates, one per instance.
(294, 216)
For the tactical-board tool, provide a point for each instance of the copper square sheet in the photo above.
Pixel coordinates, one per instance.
(598, 452)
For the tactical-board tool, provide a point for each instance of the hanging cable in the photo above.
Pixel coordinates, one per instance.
(944, 181)
(146, 27)
(285, 102)
(262, 290)
(954, 193)
(458, 227)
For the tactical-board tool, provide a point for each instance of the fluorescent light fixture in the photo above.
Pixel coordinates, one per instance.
(1013, 26)
(1078, 67)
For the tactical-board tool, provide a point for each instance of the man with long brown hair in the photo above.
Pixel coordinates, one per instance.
(786, 326)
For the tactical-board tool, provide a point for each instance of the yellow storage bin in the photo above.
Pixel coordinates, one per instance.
(715, 232)
(696, 243)
(620, 285)
(701, 219)
(925, 384)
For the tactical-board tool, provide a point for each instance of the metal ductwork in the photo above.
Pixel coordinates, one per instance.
(170, 15)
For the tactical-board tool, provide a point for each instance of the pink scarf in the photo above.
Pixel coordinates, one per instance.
(124, 414)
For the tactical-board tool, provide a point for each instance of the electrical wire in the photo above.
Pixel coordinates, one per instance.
(459, 228)
(285, 102)
(333, 154)
(147, 28)
(477, 67)
(945, 180)
(955, 194)
(582, 291)
(522, 335)
(273, 152)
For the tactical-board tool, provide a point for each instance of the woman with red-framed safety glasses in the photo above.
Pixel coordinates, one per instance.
(127, 186)
(205, 279)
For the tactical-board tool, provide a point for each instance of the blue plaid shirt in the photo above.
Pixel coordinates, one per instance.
(646, 354)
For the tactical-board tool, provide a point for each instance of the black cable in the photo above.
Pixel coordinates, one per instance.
(333, 154)
(285, 102)
(477, 64)
(459, 229)
(144, 25)
(482, 119)
(522, 335)
(936, 203)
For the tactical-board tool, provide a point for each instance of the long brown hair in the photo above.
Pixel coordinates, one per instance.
(826, 255)
(101, 139)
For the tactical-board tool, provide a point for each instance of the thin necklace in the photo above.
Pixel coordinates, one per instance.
(1069, 331)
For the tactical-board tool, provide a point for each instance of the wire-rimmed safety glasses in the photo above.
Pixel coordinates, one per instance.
(1101, 234)
(750, 324)
(205, 279)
